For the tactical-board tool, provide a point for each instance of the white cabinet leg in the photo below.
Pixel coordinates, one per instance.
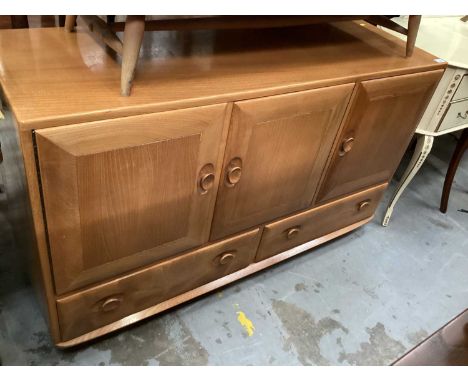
(423, 148)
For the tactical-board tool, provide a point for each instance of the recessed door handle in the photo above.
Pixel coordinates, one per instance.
(206, 182)
(346, 146)
(234, 175)
(206, 178)
(233, 172)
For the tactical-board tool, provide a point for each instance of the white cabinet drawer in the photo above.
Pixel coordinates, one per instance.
(462, 90)
(457, 115)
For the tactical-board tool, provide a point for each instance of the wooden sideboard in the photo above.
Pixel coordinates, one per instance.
(237, 150)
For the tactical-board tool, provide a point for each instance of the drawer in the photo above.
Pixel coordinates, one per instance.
(462, 90)
(457, 115)
(95, 307)
(301, 228)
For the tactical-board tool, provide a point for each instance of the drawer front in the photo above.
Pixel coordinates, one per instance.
(457, 115)
(301, 228)
(462, 90)
(109, 302)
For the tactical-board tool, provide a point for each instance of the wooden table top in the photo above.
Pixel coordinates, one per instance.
(52, 78)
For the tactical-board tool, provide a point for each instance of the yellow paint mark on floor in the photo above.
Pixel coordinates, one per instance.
(246, 323)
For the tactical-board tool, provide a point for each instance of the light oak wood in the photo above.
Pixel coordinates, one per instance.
(123, 193)
(236, 22)
(134, 27)
(93, 308)
(276, 151)
(382, 120)
(83, 81)
(317, 222)
(100, 28)
(119, 186)
(133, 36)
(70, 22)
(413, 27)
(211, 286)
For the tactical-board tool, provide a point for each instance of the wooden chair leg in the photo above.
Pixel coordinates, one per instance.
(413, 27)
(462, 146)
(70, 22)
(132, 39)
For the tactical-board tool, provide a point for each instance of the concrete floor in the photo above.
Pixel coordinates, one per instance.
(363, 299)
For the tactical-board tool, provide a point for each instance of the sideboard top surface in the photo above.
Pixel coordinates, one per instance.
(51, 77)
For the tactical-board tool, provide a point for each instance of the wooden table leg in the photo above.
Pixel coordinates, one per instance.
(133, 36)
(70, 22)
(462, 146)
(413, 27)
(422, 150)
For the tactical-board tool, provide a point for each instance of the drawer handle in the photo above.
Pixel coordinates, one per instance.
(364, 204)
(206, 182)
(346, 146)
(461, 116)
(226, 258)
(291, 233)
(111, 304)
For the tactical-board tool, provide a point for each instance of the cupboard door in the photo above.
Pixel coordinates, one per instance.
(379, 127)
(123, 193)
(276, 150)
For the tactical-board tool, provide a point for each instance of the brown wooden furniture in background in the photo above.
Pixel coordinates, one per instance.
(234, 153)
(45, 21)
(457, 155)
(448, 346)
(135, 26)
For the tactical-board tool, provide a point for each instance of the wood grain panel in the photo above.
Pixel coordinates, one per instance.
(92, 308)
(123, 193)
(317, 222)
(121, 198)
(281, 144)
(383, 118)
